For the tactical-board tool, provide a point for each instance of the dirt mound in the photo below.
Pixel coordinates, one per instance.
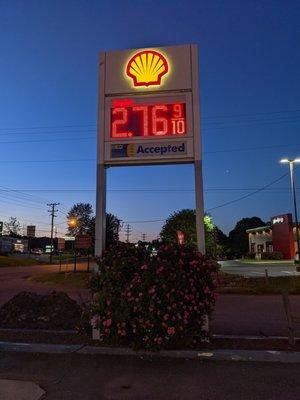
(29, 310)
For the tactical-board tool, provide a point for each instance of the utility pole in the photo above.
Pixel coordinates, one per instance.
(52, 212)
(128, 232)
(144, 236)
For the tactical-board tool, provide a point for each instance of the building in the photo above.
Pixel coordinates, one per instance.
(44, 243)
(278, 236)
(13, 245)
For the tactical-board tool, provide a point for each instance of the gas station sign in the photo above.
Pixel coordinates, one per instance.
(148, 105)
(148, 114)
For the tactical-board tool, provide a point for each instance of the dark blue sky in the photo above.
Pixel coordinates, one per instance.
(250, 85)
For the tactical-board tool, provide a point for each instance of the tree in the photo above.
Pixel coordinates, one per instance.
(83, 223)
(238, 237)
(112, 229)
(185, 220)
(12, 227)
(81, 214)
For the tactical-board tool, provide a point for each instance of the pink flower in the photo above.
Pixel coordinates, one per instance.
(158, 340)
(171, 330)
(107, 322)
(151, 290)
(145, 266)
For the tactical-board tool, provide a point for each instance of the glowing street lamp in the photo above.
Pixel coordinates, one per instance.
(291, 163)
(72, 222)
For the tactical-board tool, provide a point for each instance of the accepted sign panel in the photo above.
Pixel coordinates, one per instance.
(149, 109)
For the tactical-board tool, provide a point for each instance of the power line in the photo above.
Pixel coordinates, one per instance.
(150, 190)
(50, 140)
(251, 114)
(205, 153)
(226, 116)
(47, 127)
(47, 132)
(248, 195)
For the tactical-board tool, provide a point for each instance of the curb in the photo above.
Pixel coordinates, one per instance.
(215, 355)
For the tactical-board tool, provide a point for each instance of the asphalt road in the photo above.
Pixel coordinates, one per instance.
(95, 377)
(258, 269)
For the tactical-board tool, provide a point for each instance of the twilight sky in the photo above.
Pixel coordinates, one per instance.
(249, 87)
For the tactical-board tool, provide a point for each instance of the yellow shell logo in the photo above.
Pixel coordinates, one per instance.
(146, 68)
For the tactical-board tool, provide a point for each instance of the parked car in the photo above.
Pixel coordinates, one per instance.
(37, 252)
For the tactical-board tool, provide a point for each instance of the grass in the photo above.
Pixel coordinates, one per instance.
(71, 279)
(232, 284)
(18, 262)
(229, 284)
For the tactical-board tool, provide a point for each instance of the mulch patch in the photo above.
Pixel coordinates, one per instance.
(52, 311)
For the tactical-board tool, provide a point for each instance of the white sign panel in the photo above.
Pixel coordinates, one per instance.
(148, 108)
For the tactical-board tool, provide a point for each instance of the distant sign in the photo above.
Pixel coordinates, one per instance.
(49, 249)
(83, 242)
(31, 231)
(69, 238)
(277, 220)
(60, 244)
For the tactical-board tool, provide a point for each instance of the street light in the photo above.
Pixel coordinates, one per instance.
(291, 163)
(72, 222)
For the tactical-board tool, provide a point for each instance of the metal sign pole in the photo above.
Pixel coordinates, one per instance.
(198, 153)
(100, 222)
(199, 207)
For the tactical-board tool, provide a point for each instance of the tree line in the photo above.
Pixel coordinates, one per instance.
(218, 244)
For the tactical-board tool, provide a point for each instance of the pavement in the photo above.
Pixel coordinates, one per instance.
(261, 315)
(20, 390)
(16, 279)
(111, 377)
(257, 269)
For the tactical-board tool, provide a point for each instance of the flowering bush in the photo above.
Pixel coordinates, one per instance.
(153, 302)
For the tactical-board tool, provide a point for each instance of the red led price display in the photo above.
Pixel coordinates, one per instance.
(129, 119)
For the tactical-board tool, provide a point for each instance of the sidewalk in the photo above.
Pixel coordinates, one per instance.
(19, 390)
(252, 315)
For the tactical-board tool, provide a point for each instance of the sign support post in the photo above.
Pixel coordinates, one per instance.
(100, 224)
(199, 207)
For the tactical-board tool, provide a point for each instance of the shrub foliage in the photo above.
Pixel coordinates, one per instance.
(153, 302)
